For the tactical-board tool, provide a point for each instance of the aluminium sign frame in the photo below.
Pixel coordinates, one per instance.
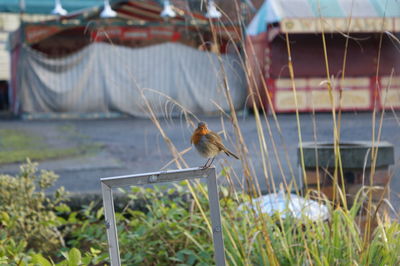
(109, 183)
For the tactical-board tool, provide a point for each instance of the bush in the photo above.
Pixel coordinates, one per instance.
(31, 222)
(27, 214)
(155, 228)
(170, 226)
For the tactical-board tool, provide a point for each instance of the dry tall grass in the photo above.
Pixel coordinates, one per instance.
(266, 240)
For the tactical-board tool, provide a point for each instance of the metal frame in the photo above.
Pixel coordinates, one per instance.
(107, 184)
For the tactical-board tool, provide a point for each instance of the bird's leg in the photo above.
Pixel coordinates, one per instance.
(205, 165)
(211, 162)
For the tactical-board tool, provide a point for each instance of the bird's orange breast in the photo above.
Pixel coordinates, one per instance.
(197, 135)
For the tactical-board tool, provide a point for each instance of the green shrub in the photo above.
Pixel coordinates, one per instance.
(27, 215)
(170, 226)
(156, 228)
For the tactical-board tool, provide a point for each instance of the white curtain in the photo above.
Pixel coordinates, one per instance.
(103, 78)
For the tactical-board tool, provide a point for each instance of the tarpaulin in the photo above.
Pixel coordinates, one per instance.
(106, 78)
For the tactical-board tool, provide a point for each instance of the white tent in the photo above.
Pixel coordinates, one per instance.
(103, 78)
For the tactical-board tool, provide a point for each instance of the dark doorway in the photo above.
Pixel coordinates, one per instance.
(4, 104)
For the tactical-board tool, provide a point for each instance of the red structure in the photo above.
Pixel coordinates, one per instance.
(138, 23)
(371, 70)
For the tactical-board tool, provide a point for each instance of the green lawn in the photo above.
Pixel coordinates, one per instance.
(17, 145)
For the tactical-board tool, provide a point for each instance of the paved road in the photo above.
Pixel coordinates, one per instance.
(135, 145)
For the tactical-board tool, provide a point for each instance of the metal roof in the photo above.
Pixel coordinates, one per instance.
(46, 6)
(273, 11)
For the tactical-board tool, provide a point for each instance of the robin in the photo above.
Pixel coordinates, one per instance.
(208, 143)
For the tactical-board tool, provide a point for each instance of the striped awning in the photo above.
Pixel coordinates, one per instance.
(141, 14)
(298, 16)
(149, 12)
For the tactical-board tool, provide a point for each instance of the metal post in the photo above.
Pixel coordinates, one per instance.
(110, 225)
(219, 254)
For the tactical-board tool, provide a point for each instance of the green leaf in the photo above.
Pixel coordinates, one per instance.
(63, 208)
(62, 263)
(87, 259)
(3, 260)
(39, 259)
(74, 257)
(94, 251)
(72, 217)
(61, 220)
(4, 217)
(99, 213)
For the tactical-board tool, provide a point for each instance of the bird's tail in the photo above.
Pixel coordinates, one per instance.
(229, 153)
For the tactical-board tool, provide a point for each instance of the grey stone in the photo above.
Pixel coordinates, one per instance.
(354, 154)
